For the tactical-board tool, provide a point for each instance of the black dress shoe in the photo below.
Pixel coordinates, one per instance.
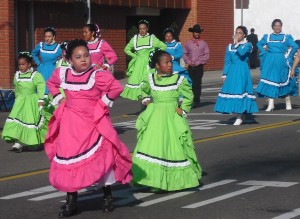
(70, 207)
(67, 202)
(108, 206)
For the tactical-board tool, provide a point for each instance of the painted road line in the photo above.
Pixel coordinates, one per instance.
(30, 192)
(247, 131)
(268, 183)
(181, 194)
(127, 196)
(22, 175)
(256, 114)
(289, 215)
(255, 185)
(223, 197)
(54, 195)
(224, 135)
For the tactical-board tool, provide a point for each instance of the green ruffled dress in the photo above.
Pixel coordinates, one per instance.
(26, 123)
(139, 49)
(165, 157)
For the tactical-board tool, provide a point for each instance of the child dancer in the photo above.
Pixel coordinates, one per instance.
(237, 95)
(63, 62)
(164, 157)
(81, 144)
(25, 124)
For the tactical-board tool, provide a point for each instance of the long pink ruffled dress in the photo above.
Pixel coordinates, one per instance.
(81, 144)
(100, 49)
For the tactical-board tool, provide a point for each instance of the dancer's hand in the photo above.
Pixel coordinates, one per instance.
(179, 111)
(61, 100)
(292, 73)
(41, 104)
(147, 102)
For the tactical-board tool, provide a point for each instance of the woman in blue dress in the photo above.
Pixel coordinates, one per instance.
(175, 49)
(237, 95)
(275, 81)
(45, 54)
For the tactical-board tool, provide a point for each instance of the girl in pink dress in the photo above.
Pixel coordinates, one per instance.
(81, 144)
(102, 55)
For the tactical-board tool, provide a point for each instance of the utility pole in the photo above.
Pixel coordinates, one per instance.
(242, 15)
(88, 4)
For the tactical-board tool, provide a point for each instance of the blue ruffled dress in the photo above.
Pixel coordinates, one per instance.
(237, 95)
(274, 80)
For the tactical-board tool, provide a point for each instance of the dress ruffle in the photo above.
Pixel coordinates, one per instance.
(167, 167)
(111, 155)
(25, 123)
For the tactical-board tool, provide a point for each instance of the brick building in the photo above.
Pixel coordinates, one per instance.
(22, 23)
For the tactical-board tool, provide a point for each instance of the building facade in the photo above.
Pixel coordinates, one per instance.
(22, 24)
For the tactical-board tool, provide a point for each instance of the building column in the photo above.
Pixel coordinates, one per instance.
(7, 43)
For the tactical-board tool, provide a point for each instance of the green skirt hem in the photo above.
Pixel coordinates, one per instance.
(164, 178)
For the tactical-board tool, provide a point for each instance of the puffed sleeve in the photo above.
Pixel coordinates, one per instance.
(17, 91)
(244, 49)
(35, 54)
(185, 90)
(109, 86)
(158, 44)
(227, 62)
(293, 45)
(40, 84)
(53, 85)
(260, 45)
(129, 47)
(178, 51)
(146, 90)
(109, 53)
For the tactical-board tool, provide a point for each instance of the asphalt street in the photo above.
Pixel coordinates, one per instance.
(250, 171)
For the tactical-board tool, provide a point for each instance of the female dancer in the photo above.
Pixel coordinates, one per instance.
(275, 79)
(164, 157)
(139, 48)
(81, 144)
(25, 124)
(102, 54)
(237, 95)
(46, 54)
(175, 49)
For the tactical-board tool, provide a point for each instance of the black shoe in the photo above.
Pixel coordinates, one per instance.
(71, 205)
(108, 206)
(67, 202)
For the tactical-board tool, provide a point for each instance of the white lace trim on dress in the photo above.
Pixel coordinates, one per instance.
(80, 158)
(165, 88)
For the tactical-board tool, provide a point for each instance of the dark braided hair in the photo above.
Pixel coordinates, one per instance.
(50, 29)
(94, 28)
(64, 45)
(25, 55)
(244, 29)
(144, 22)
(155, 56)
(74, 44)
(168, 30)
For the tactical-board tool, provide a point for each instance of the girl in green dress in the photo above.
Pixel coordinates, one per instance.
(25, 124)
(139, 49)
(164, 157)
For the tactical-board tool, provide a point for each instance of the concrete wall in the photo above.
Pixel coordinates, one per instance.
(261, 13)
